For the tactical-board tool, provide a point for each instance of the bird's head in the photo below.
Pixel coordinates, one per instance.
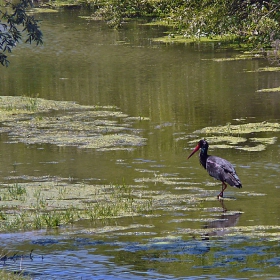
(202, 144)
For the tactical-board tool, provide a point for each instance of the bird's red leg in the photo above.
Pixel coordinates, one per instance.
(224, 186)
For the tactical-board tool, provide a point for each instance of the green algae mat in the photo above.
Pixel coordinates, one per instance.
(240, 136)
(50, 202)
(28, 120)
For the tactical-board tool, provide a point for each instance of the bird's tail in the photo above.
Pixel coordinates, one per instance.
(234, 181)
(238, 182)
(239, 186)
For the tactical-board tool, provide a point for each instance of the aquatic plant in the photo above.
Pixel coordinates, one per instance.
(49, 205)
(52, 219)
(32, 104)
(7, 275)
(54, 203)
(229, 135)
(89, 127)
(242, 128)
(277, 89)
(16, 191)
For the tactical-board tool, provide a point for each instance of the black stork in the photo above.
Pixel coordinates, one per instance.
(217, 167)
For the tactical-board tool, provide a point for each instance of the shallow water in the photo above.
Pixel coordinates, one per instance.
(182, 90)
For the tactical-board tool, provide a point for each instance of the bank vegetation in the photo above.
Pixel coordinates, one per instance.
(252, 24)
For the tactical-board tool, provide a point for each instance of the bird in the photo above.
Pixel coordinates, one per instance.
(217, 167)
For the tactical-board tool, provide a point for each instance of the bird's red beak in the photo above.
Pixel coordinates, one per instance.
(194, 150)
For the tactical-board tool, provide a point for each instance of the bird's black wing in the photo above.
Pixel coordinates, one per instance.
(222, 170)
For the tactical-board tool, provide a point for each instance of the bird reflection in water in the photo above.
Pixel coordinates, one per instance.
(222, 225)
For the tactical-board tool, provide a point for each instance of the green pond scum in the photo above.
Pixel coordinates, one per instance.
(266, 69)
(26, 120)
(53, 203)
(277, 89)
(239, 136)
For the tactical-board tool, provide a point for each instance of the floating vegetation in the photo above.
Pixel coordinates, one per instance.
(269, 69)
(233, 140)
(248, 231)
(269, 140)
(161, 179)
(243, 56)
(266, 69)
(179, 38)
(95, 127)
(58, 201)
(257, 148)
(230, 59)
(42, 10)
(269, 90)
(108, 229)
(241, 128)
(229, 136)
(38, 205)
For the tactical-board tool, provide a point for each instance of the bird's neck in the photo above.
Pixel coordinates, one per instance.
(203, 157)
